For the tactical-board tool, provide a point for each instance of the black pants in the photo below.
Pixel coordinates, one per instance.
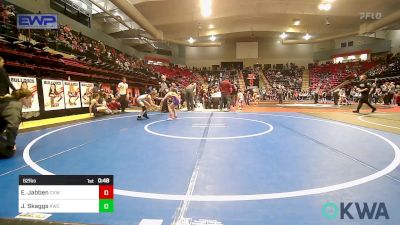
(215, 102)
(10, 118)
(280, 98)
(389, 97)
(189, 100)
(225, 100)
(316, 98)
(122, 100)
(336, 98)
(362, 101)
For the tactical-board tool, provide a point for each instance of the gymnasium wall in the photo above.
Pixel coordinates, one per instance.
(394, 36)
(375, 45)
(269, 52)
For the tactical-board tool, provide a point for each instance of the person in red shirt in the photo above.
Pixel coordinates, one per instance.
(226, 90)
(114, 106)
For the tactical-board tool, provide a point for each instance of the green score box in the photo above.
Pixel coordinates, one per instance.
(106, 205)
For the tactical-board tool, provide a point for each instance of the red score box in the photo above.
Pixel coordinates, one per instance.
(106, 192)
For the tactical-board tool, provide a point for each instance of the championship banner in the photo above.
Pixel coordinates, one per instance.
(86, 93)
(53, 94)
(30, 84)
(72, 94)
(251, 77)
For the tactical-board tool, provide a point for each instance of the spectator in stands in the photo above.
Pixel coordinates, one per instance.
(247, 97)
(317, 93)
(279, 93)
(240, 97)
(235, 89)
(336, 95)
(96, 108)
(114, 106)
(226, 90)
(391, 92)
(398, 97)
(190, 92)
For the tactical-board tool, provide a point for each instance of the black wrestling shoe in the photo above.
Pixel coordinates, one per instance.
(145, 115)
(355, 111)
(373, 110)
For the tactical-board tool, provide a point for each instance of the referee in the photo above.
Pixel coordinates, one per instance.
(122, 90)
(364, 87)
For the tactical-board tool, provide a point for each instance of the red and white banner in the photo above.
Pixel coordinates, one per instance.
(72, 94)
(86, 93)
(53, 94)
(29, 83)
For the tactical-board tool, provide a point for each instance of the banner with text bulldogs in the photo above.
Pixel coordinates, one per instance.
(29, 83)
(72, 94)
(86, 93)
(53, 94)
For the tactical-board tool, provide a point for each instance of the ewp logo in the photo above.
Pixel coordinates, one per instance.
(331, 210)
(37, 21)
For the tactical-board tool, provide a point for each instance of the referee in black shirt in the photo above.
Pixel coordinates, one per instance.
(364, 87)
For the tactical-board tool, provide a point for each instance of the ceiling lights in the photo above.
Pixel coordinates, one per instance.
(283, 35)
(191, 40)
(213, 38)
(211, 26)
(325, 6)
(307, 37)
(296, 22)
(205, 7)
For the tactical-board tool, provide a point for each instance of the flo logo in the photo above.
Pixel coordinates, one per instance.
(356, 210)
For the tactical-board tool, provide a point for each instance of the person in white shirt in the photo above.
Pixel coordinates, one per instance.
(240, 99)
(123, 90)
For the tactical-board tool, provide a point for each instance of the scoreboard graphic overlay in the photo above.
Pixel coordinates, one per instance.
(66, 193)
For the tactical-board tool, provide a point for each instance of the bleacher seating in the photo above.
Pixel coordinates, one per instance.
(289, 77)
(331, 75)
(386, 71)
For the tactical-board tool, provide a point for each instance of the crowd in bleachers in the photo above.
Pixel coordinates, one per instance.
(93, 58)
(284, 83)
(72, 42)
(87, 55)
(386, 78)
(387, 70)
(383, 75)
(329, 75)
